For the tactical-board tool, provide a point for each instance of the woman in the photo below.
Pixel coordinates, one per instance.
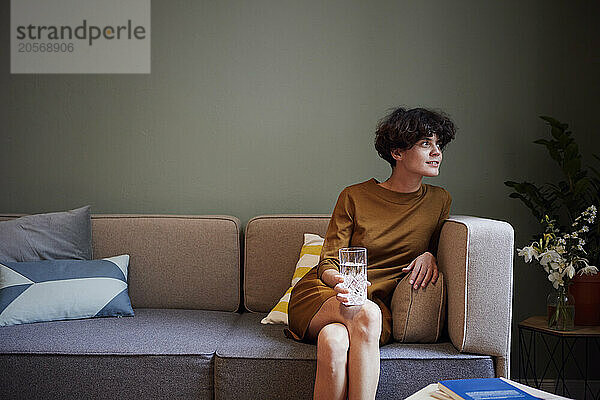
(399, 222)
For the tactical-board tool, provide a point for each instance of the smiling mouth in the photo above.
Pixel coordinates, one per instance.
(433, 163)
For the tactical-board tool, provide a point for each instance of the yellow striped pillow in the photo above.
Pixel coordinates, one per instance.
(309, 257)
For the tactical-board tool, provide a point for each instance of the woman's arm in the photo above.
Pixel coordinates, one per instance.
(424, 268)
(339, 234)
(435, 237)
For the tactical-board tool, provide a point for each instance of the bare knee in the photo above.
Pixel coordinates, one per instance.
(366, 325)
(332, 347)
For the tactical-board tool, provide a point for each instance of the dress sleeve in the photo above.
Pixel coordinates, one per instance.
(435, 237)
(339, 234)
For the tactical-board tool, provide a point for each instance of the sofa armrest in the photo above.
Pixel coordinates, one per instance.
(476, 256)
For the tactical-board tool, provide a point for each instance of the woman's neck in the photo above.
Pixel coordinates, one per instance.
(402, 184)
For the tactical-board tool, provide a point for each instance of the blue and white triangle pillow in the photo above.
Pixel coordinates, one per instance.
(53, 290)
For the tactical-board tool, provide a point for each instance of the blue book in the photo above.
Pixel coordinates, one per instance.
(482, 389)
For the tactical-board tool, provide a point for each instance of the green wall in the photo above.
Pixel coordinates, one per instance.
(262, 107)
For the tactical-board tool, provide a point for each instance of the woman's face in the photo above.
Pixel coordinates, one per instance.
(424, 158)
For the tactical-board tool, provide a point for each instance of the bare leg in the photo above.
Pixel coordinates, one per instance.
(363, 324)
(363, 360)
(332, 359)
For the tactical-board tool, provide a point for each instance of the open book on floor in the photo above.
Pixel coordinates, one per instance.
(483, 389)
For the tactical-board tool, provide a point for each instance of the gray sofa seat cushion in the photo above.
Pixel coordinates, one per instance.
(51, 376)
(158, 354)
(407, 368)
(273, 366)
(249, 339)
(149, 332)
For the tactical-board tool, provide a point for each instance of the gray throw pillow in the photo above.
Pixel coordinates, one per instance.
(52, 236)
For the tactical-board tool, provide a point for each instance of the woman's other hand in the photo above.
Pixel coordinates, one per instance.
(334, 279)
(424, 270)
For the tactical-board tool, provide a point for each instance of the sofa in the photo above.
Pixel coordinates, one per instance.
(200, 289)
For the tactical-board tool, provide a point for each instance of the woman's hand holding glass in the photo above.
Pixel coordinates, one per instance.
(334, 279)
(424, 270)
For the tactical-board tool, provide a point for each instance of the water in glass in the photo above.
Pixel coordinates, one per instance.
(353, 266)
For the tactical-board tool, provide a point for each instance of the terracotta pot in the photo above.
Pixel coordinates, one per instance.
(586, 291)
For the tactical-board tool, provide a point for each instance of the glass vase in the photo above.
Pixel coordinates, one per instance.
(561, 310)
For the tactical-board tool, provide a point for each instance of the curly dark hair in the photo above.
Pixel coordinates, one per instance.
(402, 129)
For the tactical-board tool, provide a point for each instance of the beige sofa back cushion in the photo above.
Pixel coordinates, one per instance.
(272, 247)
(176, 261)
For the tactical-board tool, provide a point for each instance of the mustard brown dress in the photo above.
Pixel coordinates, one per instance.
(394, 227)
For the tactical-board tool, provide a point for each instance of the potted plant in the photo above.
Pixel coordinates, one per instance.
(569, 245)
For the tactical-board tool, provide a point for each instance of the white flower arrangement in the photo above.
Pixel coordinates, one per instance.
(562, 255)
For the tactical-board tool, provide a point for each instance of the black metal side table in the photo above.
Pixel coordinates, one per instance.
(560, 347)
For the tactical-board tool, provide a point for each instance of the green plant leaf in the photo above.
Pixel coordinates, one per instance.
(564, 186)
(554, 187)
(595, 171)
(572, 151)
(580, 175)
(557, 133)
(555, 154)
(549, 120)
(554, 122)
(581, 186)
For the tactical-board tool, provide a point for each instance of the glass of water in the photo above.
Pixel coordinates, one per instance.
(353, 266)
